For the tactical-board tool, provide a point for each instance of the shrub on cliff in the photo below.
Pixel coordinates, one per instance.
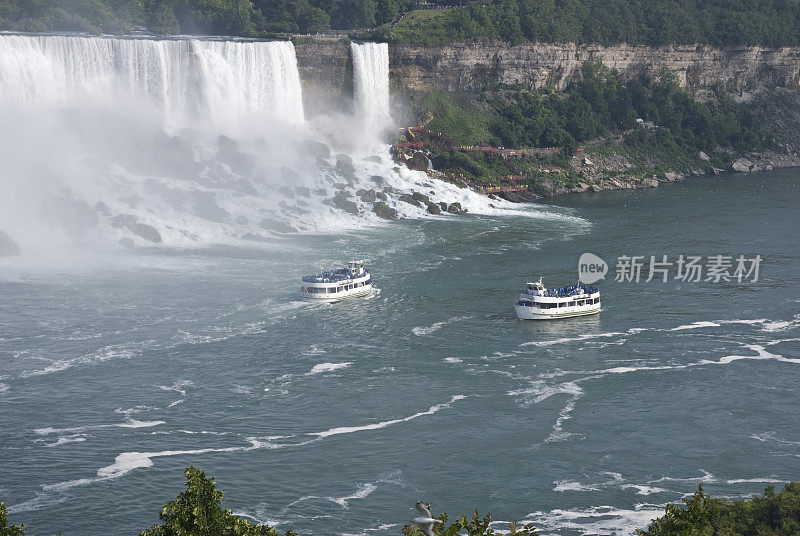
(773, 514)
(198, 511)
(5, 528)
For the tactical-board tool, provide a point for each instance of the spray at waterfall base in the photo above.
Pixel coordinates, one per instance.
(186, 143)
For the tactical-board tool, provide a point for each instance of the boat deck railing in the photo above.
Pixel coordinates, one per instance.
(565, 292)
(333, 276)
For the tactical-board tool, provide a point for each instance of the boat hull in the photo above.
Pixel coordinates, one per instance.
(354, 293)
(533, 313)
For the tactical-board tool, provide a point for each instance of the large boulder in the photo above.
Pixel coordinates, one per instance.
(433, 208)
(382, 196)
(384, 211)
(741, 165)
(341, 202)
(368, 196)
(145, 231)
(405, 198)
(228, 152)
(8, 248)
(317, 149)
(422, 198)
(345, 164)
(455, 208)
(276, 226)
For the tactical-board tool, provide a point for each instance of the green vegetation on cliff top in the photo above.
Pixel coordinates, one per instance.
(652, 22)
(656, 125)
(198, 511)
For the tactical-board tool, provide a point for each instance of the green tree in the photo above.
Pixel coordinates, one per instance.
(198, 512)
(474, 526)
(5, 528)
(161, 18)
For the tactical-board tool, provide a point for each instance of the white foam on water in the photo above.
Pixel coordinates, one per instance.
(453, 360)
(76, 438)
(323, 368)
(427, 330)
(540, 390)
(576, 338)
(767, 480)
(4, 387)
(761, 354)
(643, 489)
(135, 409)
(128, 461)
(696, 325)
(597, 520)
(705, 478)
(566, 485)
(362, 492)
(131, 423)
(106, 353)
(384, 424)
(179, 387)
(315, 349)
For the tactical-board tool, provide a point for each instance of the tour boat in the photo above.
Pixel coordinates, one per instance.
(540, 303)
(338, 284)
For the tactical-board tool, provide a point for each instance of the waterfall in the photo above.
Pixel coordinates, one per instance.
(371, 81)
(109, 142)
(190, 80)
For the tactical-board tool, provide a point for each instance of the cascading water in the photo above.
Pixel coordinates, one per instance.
(189, 80)
(186, 142)
(371, 81)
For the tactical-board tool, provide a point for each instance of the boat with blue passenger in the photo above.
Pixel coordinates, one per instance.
(538, 302)
(338, 284)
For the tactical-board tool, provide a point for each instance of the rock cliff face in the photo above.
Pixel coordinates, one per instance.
(326, 70)
(701, 69)
(326, 67)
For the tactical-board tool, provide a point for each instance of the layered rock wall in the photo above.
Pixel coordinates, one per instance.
(326, 67)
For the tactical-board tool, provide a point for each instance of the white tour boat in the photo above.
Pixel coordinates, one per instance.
(540, 303)
(339, 284)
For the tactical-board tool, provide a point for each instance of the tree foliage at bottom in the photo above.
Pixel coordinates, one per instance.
(198, 512)
(773, 514)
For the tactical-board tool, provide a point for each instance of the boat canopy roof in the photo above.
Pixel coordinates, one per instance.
(355, 269)
(561, 292)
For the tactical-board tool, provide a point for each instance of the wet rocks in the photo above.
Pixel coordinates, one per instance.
(145, 231)
(368, 196)
(317, 149)
(455, 208)
(341, 202)
(344, 164)
(433, 208)
(276, 226)
(8, 248)
(741, 165)
(382, 196)
(405, 198)
(382, 210)
(422, 198)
